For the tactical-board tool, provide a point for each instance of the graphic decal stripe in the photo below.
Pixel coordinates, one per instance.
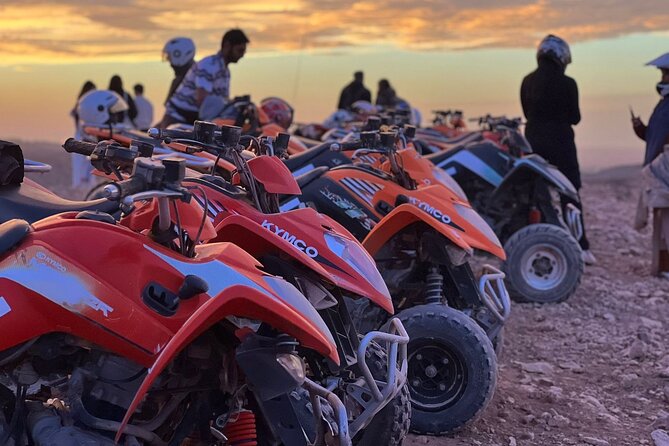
(357, 190)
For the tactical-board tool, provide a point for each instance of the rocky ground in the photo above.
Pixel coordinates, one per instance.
(595, 369)
(591, 371)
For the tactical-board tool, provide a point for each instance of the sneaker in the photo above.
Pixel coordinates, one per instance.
(588, 257)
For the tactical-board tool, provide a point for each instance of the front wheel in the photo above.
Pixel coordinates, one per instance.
(452, 368)
(543, 264)
(391, 424)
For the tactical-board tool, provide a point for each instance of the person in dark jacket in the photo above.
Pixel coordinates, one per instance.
(127, 117)
(386, 95)
(355, 91)
(656, 133)
(550, 104)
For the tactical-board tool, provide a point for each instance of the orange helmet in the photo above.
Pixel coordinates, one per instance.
(278, 111)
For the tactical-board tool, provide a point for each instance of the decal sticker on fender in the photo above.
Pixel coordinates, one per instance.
(434, 212)
(290, 238)
(4, 307)
(43, 273)
(427, 207)
(349, 208)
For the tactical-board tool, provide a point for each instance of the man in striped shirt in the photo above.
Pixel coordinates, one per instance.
(210, 76)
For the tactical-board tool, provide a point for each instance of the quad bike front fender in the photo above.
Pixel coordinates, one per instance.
(403, 216)
(286, 311)
(237, 229)
(533, 166)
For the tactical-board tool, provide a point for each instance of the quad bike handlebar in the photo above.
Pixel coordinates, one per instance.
(72, 145)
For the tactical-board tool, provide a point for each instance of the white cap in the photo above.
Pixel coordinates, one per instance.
(660, 62)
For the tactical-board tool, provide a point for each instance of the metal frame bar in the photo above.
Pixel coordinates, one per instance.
(493, 292)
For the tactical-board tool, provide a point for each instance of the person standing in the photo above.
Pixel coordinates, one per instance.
(81, 166)
(125, 117)
(656, 133)
(550, 104)
(655, 174)
(180, 52)
(144, 109)
(355, 91)
(208, 77)
(386, 96)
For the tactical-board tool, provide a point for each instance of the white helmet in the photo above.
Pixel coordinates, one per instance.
(660, 62)
(556, 49)
(179, 51)
(97, 107)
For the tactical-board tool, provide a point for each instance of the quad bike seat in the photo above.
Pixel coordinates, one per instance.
(310, 176)
(31, 204)
(11, 234)
(296, 161)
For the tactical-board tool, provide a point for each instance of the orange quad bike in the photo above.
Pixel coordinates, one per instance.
(529, 204)
(422, 239)
(116, 337)
(421, 248)
(308, 249)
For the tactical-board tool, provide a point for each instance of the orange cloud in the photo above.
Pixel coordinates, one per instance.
(34, 31)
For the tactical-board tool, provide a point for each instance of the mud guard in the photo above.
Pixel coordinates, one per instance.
(236, 229)
(241, 301)
(401, 217)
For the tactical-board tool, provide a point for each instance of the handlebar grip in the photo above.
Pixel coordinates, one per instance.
(82, 147)
(167, 133)
(120, 189)
(351, 145)
(131, 186)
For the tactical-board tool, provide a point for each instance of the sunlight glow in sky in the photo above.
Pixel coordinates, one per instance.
(468, 54)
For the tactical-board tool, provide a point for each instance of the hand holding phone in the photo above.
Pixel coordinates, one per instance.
(636, 121)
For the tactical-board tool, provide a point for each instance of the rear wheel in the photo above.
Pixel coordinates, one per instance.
(543, 264)
(452, 368)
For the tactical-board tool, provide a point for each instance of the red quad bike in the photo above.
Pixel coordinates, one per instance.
(310, 250)
(422, 239)
(116, 337)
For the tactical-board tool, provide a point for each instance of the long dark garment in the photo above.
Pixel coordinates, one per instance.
(550, 104)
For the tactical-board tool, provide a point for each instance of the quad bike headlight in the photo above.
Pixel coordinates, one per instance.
(359, 259)
(294, 365)
(478, 222)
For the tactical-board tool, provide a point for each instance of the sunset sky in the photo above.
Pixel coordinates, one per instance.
(467, 54)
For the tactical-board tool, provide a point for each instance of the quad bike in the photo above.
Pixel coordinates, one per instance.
(529, 203)
(422, 239)
(314, 252)
(531, 206)
(240, 112)
(116, 337)
(378, 397)
(446, 403)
